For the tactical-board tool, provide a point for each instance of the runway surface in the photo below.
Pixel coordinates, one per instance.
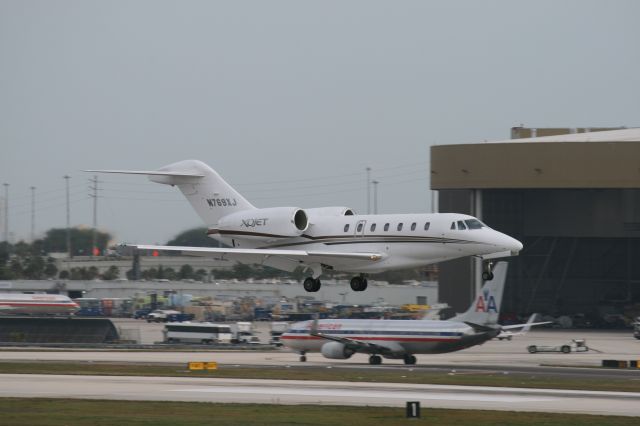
(493, 354)
(313, 392)
(507, 357)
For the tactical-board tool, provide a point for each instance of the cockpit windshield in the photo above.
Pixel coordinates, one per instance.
(474, 224)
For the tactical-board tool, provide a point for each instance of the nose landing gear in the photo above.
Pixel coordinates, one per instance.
(487, 273)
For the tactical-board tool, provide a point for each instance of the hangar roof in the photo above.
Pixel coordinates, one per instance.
(632, 135)
(607, 159)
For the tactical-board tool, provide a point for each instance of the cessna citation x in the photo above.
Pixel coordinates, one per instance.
(325, 238)
(401, 339)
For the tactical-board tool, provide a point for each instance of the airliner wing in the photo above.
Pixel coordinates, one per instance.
(352, 344)
(260, 255)
(527, 325)
(357, 345)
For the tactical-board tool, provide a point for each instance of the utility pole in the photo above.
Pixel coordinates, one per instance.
(33, 213)
(95, 213)
(368, 190)
(6, 212)
(375, 196)
(66, 178)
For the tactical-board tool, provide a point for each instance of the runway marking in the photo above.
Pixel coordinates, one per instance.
(390, 394)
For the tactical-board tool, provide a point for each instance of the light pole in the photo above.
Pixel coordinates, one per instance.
(33, 213)
(368, 190)
(6, 212)
(66, 178)
(375, 196)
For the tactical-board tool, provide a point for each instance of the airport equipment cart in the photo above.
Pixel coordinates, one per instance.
(576, 345)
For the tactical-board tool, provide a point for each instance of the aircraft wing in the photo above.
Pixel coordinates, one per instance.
(357, 345)
(353, 344)
(526, 326)
(260, 255)
(529, 324)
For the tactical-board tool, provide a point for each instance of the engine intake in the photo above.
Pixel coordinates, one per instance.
(336, 350)
(276, 222)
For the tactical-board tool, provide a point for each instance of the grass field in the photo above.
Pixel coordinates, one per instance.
(629, 384)
(58, 412)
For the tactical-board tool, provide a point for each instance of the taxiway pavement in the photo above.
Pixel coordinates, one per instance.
(313, 392)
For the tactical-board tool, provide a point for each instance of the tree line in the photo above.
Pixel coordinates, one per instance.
(33, 261)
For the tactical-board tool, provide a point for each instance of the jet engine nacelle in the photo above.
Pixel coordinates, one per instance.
(336, 350)
(329, 211)
(276, 221)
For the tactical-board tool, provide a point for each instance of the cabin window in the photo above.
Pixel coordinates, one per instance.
(346, 228)
(413, 226)
(386, 227)
(453, 225)
(400, 226)
(426, 226)
(359, 228)
(461, 225)
(474, 224)
(373, 227)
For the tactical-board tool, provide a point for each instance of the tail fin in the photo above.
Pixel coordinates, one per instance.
(210, 195)
(485, 310)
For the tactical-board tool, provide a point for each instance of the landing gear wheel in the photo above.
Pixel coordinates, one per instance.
(358, 284)
(487, 273)
(375, 360)
(565, 349)
(409, 359)
(532, 349)
(311, 285)
(303, 356)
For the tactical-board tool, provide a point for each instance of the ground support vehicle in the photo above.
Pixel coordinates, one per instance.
(576, 345)
(197, 332)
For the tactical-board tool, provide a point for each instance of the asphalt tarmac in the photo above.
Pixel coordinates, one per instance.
(507, 357)
(292, 392)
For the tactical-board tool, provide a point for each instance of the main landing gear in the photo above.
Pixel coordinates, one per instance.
(409, 359)
(359, 283)
(311, 284)
(303, 356)
(375, 360)
(487, 273)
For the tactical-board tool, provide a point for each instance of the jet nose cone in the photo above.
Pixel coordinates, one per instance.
(513, 245)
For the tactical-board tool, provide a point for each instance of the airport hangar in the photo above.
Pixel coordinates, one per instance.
(573, 199)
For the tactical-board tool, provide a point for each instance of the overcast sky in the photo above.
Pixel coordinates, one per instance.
(289, 101)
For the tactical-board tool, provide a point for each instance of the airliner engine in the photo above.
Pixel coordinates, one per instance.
(276, 222)
(336, 350)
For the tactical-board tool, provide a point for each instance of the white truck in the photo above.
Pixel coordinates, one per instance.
(277, 329)
(243, 333)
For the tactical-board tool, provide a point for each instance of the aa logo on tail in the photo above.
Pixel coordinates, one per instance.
(486, 303)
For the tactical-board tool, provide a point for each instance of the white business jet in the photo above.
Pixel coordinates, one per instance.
(401, 339)
(325, 238)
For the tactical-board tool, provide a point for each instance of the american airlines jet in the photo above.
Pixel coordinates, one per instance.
(36, 304)
(324, 238)
(401, 339)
